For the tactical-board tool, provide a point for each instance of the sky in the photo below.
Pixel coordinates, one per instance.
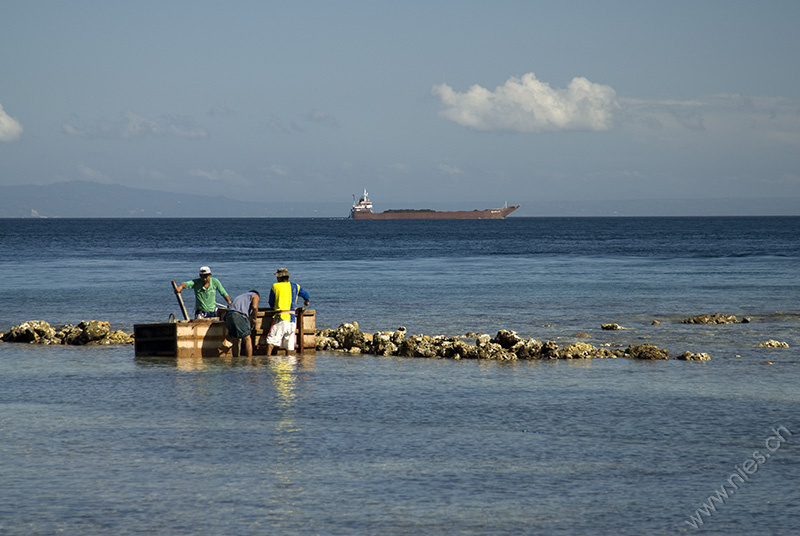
(423, 103)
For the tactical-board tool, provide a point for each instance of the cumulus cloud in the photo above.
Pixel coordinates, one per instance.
(10, 128)
(528, 105)
(131, 125)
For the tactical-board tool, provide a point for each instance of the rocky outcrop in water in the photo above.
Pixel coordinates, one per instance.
(505, 346)
(717, 318)
(689, 356)
(773, 344)
(92, 332)
(647, 351)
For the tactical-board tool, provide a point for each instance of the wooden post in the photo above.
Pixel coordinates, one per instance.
(180, 300)
(299, 314)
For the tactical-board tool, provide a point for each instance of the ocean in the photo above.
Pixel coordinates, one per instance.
(94, 441)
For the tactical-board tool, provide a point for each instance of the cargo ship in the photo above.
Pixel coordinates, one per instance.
(362, 210)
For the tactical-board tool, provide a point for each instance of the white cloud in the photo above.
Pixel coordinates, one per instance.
(182, 127)
(152, 174)
(528, 105)
(279, 170)
(226, 175)
(10, 128)
(766, 118)
(73, 130)
(131, 125)
(449, 170)
(322, 118)
(220, 110)
(302, 125)
(92, 174)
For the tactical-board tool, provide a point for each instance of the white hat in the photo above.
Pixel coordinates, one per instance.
(205, 270)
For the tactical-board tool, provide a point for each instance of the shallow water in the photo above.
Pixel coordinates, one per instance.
(94, 441)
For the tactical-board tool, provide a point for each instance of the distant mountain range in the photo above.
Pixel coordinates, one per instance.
(82, 199)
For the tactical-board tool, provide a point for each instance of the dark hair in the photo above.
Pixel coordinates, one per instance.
(255, 292)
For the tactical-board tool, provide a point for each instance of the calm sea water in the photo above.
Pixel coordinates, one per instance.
(93, 441)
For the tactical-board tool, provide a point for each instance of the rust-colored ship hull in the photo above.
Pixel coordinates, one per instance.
(488, 214)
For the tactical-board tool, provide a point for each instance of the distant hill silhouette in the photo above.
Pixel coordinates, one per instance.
(82, 199)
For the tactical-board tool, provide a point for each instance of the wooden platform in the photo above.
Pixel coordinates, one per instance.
(207, 337)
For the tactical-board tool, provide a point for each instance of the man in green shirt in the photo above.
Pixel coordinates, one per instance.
(205, 293)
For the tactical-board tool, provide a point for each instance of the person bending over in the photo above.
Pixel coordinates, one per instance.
(240, 319)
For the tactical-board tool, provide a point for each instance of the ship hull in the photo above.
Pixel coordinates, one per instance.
(488, 214)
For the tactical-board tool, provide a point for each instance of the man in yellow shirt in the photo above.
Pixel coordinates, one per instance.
(282, 299)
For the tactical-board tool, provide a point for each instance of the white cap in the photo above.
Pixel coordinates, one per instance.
(205, 270)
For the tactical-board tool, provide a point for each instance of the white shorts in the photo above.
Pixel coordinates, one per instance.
(282, 334)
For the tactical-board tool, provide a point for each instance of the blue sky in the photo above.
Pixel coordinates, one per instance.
(423, 103)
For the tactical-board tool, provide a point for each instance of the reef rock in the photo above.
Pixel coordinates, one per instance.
(117, 337)
(86, 332)
(646, 351)
(505, 346)
(417, 346)
(717, 318)
(577, 350)
(32, 331)
(582, 350)
(91, 332)
(773, 344)
(382, 344)
(689, 356)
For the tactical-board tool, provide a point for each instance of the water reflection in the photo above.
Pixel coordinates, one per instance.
(284, 379)
(267, 398)
(286, 362)
(283, 468)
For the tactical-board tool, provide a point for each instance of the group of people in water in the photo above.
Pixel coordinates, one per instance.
(242, 310)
